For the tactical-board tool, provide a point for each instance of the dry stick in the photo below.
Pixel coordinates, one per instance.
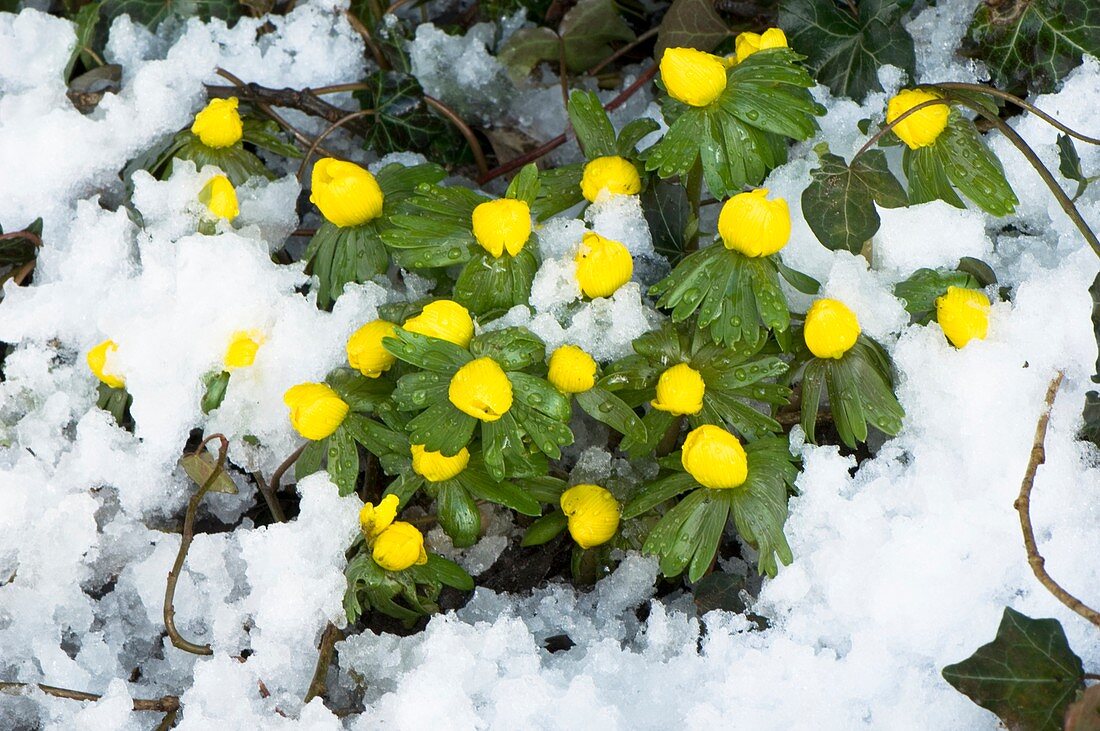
(185, 544)
(165, 704)
(368, 39)
(329, 130)
(270, 498)
(277, 475)
(319, 684)
(464, 130)
(1023, 507)
(1049, 119)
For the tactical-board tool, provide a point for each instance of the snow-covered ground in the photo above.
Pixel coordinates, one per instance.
(901, 566)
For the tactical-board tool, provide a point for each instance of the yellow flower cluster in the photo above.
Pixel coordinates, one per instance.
(592, 513)
(98, 358)
(434, 466)
(680, 391)
(345, 193)
(395, 546)
(220, 198)
(923, 127)
(316, 411)
(502, 225)
(603, 266)
(571, 370)
(365, 351)
(753, 225)
(242, 349)
(481, 389)
(715, 458)
(749, 43)
(831, 328)
(219, 124)
(443, 319)
(692, 76)
(963, 314)
(613, 174)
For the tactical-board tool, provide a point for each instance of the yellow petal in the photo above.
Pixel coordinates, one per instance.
(692, 77)
(831, 328)
(365, 351)
(923, 127)
(219, 124)
(592, 513)
(753, 225)
(481, 389)
(398, 547)
(434, 466)
(715, 458)
(98, 358)
(746, 44)
(445, 320)
(571, 370)
(316, 411)
(603, 266)
(680, 391)
(616, 175)
(345, 193)
(242, 349)
(220, 198)
(502, 225)
(963, 314)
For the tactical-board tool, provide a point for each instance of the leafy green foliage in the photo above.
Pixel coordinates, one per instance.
(691, 24)
(922, 288)
(86, 21)
(583, 39)
(151, 13)
(402, 119)
(17, 249)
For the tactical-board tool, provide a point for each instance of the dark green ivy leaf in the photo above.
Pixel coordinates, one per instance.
(691, 24)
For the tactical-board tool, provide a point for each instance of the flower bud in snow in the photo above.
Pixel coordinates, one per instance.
(443, 319)
(316, 411)
(692, 77)
(399, 547)
(963, 314)
(749, 43)
(346, 194)
(753, 225)
(481, 389)
(365, 351)
(603, 266)
(923, 127)
(219, 124)
(97, 362)
(571, 370)
(831, 328)
(220, 198)
(434, 467)
(715, 458)
(680, 391)
(241, 352)
(612, 173)
(502, 225)
(592, 512)
(375, 519)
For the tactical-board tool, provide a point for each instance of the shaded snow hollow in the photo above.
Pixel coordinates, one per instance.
(901, 566)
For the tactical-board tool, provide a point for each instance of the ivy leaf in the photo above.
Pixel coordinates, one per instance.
(583, 39)
(1027, 675)
(1069, 164)
(845, 50)
(691, 24)
(403, 121)
(1028, 45)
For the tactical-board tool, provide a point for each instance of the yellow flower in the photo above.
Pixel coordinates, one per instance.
(220, 198)
(97, 362)
(963, 314)
(346, 194)
(219, 124)
(749, 43)
(603, 266)
(365, 351)
(680, 391)
(692, 77)
(375, 519)
(753, 225)
(593, 514)
(715, 458)
(921, 128)
(481, 389)
(399, 547)
(434, 466)
(831, 328)
(571, 370)
(612, 173)
(316, 411)
(443, 319)
(241, 352)
(502, 225)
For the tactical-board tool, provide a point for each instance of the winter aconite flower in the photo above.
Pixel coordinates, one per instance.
(831, 328)
(593, 514)
(754, 225)
(612, 173)
(395, 546)
(434, 466)
(680, 391)
(692, 77)
(715, 458)
(603, 266)
(443, 319)
(316, 411)
(219, 124)
(571, 370)
(749, 43)
(502, 225)
(242, 349)
(963, 314)
(924, 126)
(220, 198)
(481, 389)
(346, 194)
(365, 351)
(98, 358)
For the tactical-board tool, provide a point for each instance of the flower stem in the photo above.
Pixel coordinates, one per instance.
(1049, 119)
(694, 188)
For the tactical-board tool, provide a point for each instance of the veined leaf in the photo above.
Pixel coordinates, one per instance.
(691, 24)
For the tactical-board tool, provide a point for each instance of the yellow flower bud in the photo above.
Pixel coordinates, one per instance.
(434, 466)
(365, 351)
(241, 352)
(97, 362)
(502, 225)
(399, 547)
(346, 194)
(593, 514)
(219, 124)
(571, 370)
(692, 77)
(831, 328)
(963, 314)
(220, 198)
(373, 520)
(749, 43)
(715, 458)
(754, 225)
(316, 411)
(615, 174)
(680, 391)
(921, 128)
(481, 389)
(603, 266)
(443, 319)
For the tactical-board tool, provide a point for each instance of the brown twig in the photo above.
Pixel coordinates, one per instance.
(313, 147)
(272, 500)
(464, 130)
(165, 704)
(1048, 118)
(24, 234)
(1023, 507)
(364, 32)
(319, 684)
(185, 544)
(624, 50)
(277, 475)
(1091, 676)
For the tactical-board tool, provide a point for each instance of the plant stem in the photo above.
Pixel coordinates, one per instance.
(464, 130)
(694, 189)
(319, 684)
(890, 125)
(272, 500)
(165, 704)
(328, 130)
(1049, 119)
(277, 475)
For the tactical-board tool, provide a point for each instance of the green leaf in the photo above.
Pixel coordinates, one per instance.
(458, 514)
(431, 354)
(403, 121)
(447, 572)
(583, 40)
(358, 391)
(720, 590)
(503, 492)
(86, 20)
(654, 493)
(707, 539)
(200, 466)
(539, 395)
(398, 181)
(489, 284)
(1027, 675)
(632, 133)
(559, 190)
(545, 529)
(513, 348)
(608, 408)
(377, 439)
(546, 433)
(216, 383)
(759, 506)
(845, 50)
(150, 13)
(442, 428)
(677, 151)
(416, 391)
(973, 168)
(528, 47)
(525, 186)
(1069, 164)
(804, 283)
(922, 288)
(927, 178)
(311, 459)
(544, 488)
(339, 255)
(590, 122)
(237, 163)
(268, 135)
(343, 460)
(691, 24)
(667, 211)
